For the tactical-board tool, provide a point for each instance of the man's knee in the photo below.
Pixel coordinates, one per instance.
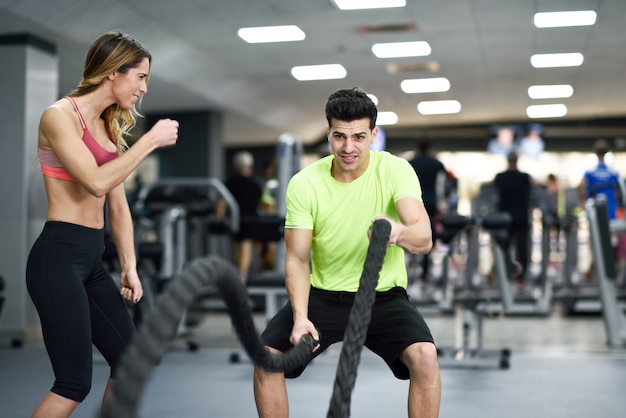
(421, 358)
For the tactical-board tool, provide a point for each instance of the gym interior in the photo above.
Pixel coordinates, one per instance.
(551, 346)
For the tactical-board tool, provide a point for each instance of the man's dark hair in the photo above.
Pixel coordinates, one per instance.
(351, 104)
(424, 146)
(511, 157)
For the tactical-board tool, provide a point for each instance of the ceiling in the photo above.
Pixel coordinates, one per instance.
(482, 46)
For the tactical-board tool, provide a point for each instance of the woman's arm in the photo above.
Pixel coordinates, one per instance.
(122, 234)
(58, 129)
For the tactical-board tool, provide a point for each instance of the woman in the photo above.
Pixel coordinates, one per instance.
(81, 139)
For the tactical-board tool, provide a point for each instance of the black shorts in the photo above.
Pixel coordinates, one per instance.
(395, 324)
(247, 229)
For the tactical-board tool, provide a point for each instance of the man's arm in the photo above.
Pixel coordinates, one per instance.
(220, 209)
(413, 233)
(298, 280)
(440, 190)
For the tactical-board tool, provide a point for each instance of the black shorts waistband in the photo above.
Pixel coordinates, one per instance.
(72, 234)
(342, 296)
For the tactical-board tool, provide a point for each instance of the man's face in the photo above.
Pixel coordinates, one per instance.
(350, 144)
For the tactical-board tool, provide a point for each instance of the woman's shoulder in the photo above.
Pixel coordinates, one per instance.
(56, 119)
(59, 109)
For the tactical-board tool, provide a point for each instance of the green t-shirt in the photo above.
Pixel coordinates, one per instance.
(341, 213)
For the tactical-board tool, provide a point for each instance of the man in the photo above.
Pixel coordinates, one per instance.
(514, 188)
(504, 141)
(330, 206)
(602, 180)
(432, 176)
(606, 181)
(247, 192)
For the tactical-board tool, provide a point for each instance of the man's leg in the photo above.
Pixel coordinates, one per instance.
(270, 393)
(245, 248)
(425, 384)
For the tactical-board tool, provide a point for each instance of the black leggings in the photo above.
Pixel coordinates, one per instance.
(78, 304)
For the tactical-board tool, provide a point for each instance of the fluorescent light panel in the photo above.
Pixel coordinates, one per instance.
(573, 59)
(386, 118)
(564, 19)
(546, 111)
(425, 85)
(319, 72)
(367, 4)
(401, 49)
(439, 107)
(265, 34)
(555, 91)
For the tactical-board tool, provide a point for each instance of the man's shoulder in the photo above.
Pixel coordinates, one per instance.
(390, 163)
(386, 157)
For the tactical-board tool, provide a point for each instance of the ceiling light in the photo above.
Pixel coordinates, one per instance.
(573, 59)
(425, 85)
(562, 19)
(439, 107)
(550, 91)
(367, 4)
(401, 49)
(386, 118)
(318, 72)
(265, 34)
(546, 111)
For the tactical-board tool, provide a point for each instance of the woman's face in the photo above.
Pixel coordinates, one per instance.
(129, 87)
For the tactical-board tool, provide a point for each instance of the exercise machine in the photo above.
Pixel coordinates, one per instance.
(602, 231)
(173, 218)
(577, 292)
(469, 301)
(270, 284)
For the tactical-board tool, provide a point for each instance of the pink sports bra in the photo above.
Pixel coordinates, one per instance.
(52, 167)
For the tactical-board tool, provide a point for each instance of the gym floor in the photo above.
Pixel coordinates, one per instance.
(560, 366)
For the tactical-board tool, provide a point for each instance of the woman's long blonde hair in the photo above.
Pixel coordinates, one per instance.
(111, 52)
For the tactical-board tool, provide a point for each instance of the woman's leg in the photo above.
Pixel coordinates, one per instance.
(53, 277)
(55, 406)
(111, 323)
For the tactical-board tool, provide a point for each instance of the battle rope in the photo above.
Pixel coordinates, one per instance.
(159, 328)
(358, 321)
(161, 324)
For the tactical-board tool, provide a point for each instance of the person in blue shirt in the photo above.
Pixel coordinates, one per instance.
(606, 181)
(602, 180)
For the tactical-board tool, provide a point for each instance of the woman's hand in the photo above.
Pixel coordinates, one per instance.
(131, 288)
